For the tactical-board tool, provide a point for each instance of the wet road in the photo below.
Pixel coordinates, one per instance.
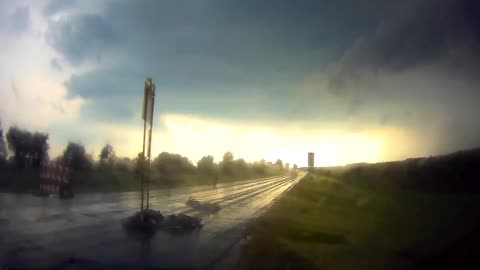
(47, 232)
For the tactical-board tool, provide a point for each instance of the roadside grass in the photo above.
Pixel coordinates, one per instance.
(325, 223)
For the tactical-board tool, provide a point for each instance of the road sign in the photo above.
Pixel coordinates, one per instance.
(311, 160)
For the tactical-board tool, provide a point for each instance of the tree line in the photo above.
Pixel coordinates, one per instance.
(24, 149)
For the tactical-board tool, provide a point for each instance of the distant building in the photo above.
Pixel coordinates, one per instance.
(311, 160)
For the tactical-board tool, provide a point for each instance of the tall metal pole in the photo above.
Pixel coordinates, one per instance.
(143, 163)
(149, 161)
(147, 115)
(150, 143)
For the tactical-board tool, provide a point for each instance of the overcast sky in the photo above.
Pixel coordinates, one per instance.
(351, 80)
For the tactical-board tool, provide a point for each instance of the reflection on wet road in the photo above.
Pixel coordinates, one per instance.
(46, 231)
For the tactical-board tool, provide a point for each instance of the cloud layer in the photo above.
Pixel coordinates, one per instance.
(406, 69)
(423, 62)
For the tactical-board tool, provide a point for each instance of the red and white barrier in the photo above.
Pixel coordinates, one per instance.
(53, 176)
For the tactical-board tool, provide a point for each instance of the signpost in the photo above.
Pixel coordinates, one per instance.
(147, 116)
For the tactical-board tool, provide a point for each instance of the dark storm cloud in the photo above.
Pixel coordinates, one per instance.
(115, 94)
(242, 32)
(81, 37)
(411, 64)
(441, 33)
(207, 49)
(418, 70)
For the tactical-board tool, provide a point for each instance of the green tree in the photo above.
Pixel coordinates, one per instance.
(206, 165)
(76, 157)
(170, 164)
(295, 166)
(279, 164)
(3, 147)
(39, 148)
(138, 162)
(228, 157)
(124, 164)
(27, 147)
(259, 167)
(107, 156)
(240, 167)
(17, 145)
(226, 164)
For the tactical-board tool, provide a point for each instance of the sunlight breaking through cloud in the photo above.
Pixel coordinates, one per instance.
(196, 137)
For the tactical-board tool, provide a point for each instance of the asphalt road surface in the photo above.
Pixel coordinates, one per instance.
(87, 232)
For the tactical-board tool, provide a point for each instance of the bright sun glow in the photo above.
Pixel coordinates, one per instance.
(196, 137)
(333, 150)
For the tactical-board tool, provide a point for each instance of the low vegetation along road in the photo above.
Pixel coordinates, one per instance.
(86, 231)
(332, 220)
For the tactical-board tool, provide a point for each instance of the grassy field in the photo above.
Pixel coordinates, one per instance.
(327, 223)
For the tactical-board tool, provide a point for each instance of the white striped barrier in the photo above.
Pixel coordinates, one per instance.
(53, 177)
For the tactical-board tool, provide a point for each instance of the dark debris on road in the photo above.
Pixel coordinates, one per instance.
(154, 220)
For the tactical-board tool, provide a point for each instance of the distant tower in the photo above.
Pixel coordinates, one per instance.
(311, 161)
